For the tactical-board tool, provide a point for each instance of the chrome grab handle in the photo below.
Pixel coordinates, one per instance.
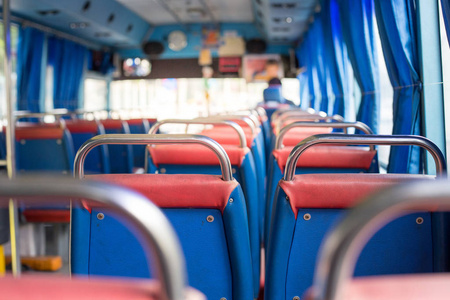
(155, 232)
(250, 114)
(261, 112)
(246, 119)
(58, 114)
(145, 139)
(253, 119)
(298, 110)
(358, 125)
(313, 117)
(236, 127)
(342, 246)
(362, 139)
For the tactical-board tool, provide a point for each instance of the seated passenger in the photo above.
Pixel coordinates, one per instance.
(274, 93)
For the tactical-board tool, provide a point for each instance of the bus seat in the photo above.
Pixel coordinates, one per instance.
(272, 106)
(120, 156)
(320, 159)
(83, 130)
(295, 135)
(148, 225)
(344, 244)
(55, 287)
(406, 287)
(265, 126)
(308, 206)
(196, 159)
(226, 136)
(139, 126)
(43, 147)
(212, 228)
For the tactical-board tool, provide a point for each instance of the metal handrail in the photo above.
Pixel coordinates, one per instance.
(281, 111)
(344, 244)
(361, 139)
(236, 127)
(146, 139)
(57, 114)
(235, 115)
(246, 119)
(357, 125)
(250, 114)
(309, 117)
(155, 232)
(261, 112)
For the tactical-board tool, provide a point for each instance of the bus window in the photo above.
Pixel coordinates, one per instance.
(14, 41)
(386, 102)
(189, 97)
(95, 92)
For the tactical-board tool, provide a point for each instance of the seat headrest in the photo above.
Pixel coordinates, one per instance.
(176, 191)
(338, 190)
(112, 123)
(39, 132)
(330, 157)
(194, 155)
(82, 126)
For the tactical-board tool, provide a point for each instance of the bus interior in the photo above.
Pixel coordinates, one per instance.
(239, 149)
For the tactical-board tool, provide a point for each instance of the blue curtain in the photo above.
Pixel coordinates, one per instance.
(357, 19)
(304, 90)
(307, 61)
(398, 33)
(342, 76)
(68, 61)
(311, 56)
(446, 12)
(317, 43)
(29, 60)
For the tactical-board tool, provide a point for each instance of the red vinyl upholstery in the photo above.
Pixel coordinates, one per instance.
(300, 133)
(38, 132)
(139, 121)
(50, 287)
(332, 157)
(227, 136)
(338, 190)
(112, 123)
(194, 155)
(296, 135)
(82, 126)
(47, 215)
(409, 287)
(180, 191)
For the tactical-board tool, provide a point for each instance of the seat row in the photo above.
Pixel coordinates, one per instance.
(332, 275)
(51, 146)
(230, 211)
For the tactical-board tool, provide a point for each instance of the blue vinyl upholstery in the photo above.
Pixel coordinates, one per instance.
(275, 174)
(120, 156)
(217, 252)
(49, 155)
(246, 176)
(403, 246)
(97, 161)
(139, 126)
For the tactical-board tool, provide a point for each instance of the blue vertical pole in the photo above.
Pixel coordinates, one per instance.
(433, 122)
(432, 97)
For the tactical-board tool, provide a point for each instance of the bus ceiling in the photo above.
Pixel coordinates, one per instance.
(125, 25)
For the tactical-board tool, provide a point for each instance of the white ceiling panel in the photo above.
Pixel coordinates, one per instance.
(150, 10)
(161, 12)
